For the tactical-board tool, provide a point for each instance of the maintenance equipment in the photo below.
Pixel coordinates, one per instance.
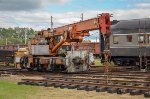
(49, 50)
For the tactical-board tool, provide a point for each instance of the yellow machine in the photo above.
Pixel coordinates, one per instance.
(18, 56)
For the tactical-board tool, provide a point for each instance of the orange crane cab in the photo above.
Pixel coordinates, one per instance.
(46, 50)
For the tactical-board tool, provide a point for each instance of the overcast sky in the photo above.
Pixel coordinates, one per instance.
(36, 13)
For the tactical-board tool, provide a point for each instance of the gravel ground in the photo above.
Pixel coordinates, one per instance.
(57, 93)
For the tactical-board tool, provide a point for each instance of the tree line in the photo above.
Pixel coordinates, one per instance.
(15, 35)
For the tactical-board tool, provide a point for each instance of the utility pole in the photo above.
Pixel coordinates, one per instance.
(6, 41)
(96, 39)
(25, 36)
(51, 22)
(82, 17)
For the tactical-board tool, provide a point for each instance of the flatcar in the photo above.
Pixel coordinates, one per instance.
(7, 56)
(7, 53)
(13, 47)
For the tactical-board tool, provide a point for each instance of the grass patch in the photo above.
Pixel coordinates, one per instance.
(10, 90)
(98, 62)
(4, 64)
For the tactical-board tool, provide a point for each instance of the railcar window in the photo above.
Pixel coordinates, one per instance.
(115, 39)
(129, 38)
(141, 39)
(149, 39)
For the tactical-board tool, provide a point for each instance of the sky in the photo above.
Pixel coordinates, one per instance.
(37, 13)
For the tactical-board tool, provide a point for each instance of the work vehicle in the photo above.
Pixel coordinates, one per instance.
(47, 51)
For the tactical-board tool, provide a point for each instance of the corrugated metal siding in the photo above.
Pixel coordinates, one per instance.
(92, 47)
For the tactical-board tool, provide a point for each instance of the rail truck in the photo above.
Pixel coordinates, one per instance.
(48, 51)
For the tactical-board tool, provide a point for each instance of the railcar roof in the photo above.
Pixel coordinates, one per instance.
(132, 26)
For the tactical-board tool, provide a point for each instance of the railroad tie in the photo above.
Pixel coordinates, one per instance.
(49, 84)
(57, 85)
(63, 86)
(122, 91)
(72, 86)
(135, 92)
(112, 90)
(91, 88)
(82, 87)
(101, 89)
(147, 94)
(41, 83)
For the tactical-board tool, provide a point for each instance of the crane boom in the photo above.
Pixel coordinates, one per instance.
(101, 22)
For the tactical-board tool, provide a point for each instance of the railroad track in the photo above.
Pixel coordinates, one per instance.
(98, 70)
(113, 75)
(117, 82)
(121, 82)
(89, 84)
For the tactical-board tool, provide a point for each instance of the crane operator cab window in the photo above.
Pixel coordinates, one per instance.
(129, 38)
(141, 38)
(115, 39)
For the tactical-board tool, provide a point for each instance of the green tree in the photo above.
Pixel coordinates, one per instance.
(14, 35)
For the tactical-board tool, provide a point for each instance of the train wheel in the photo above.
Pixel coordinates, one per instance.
(29, 69)
(41, 69)
(117, 62)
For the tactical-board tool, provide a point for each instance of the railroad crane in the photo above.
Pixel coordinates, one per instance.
(45, 49)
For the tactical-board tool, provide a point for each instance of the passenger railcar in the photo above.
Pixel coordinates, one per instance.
(130, 43)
